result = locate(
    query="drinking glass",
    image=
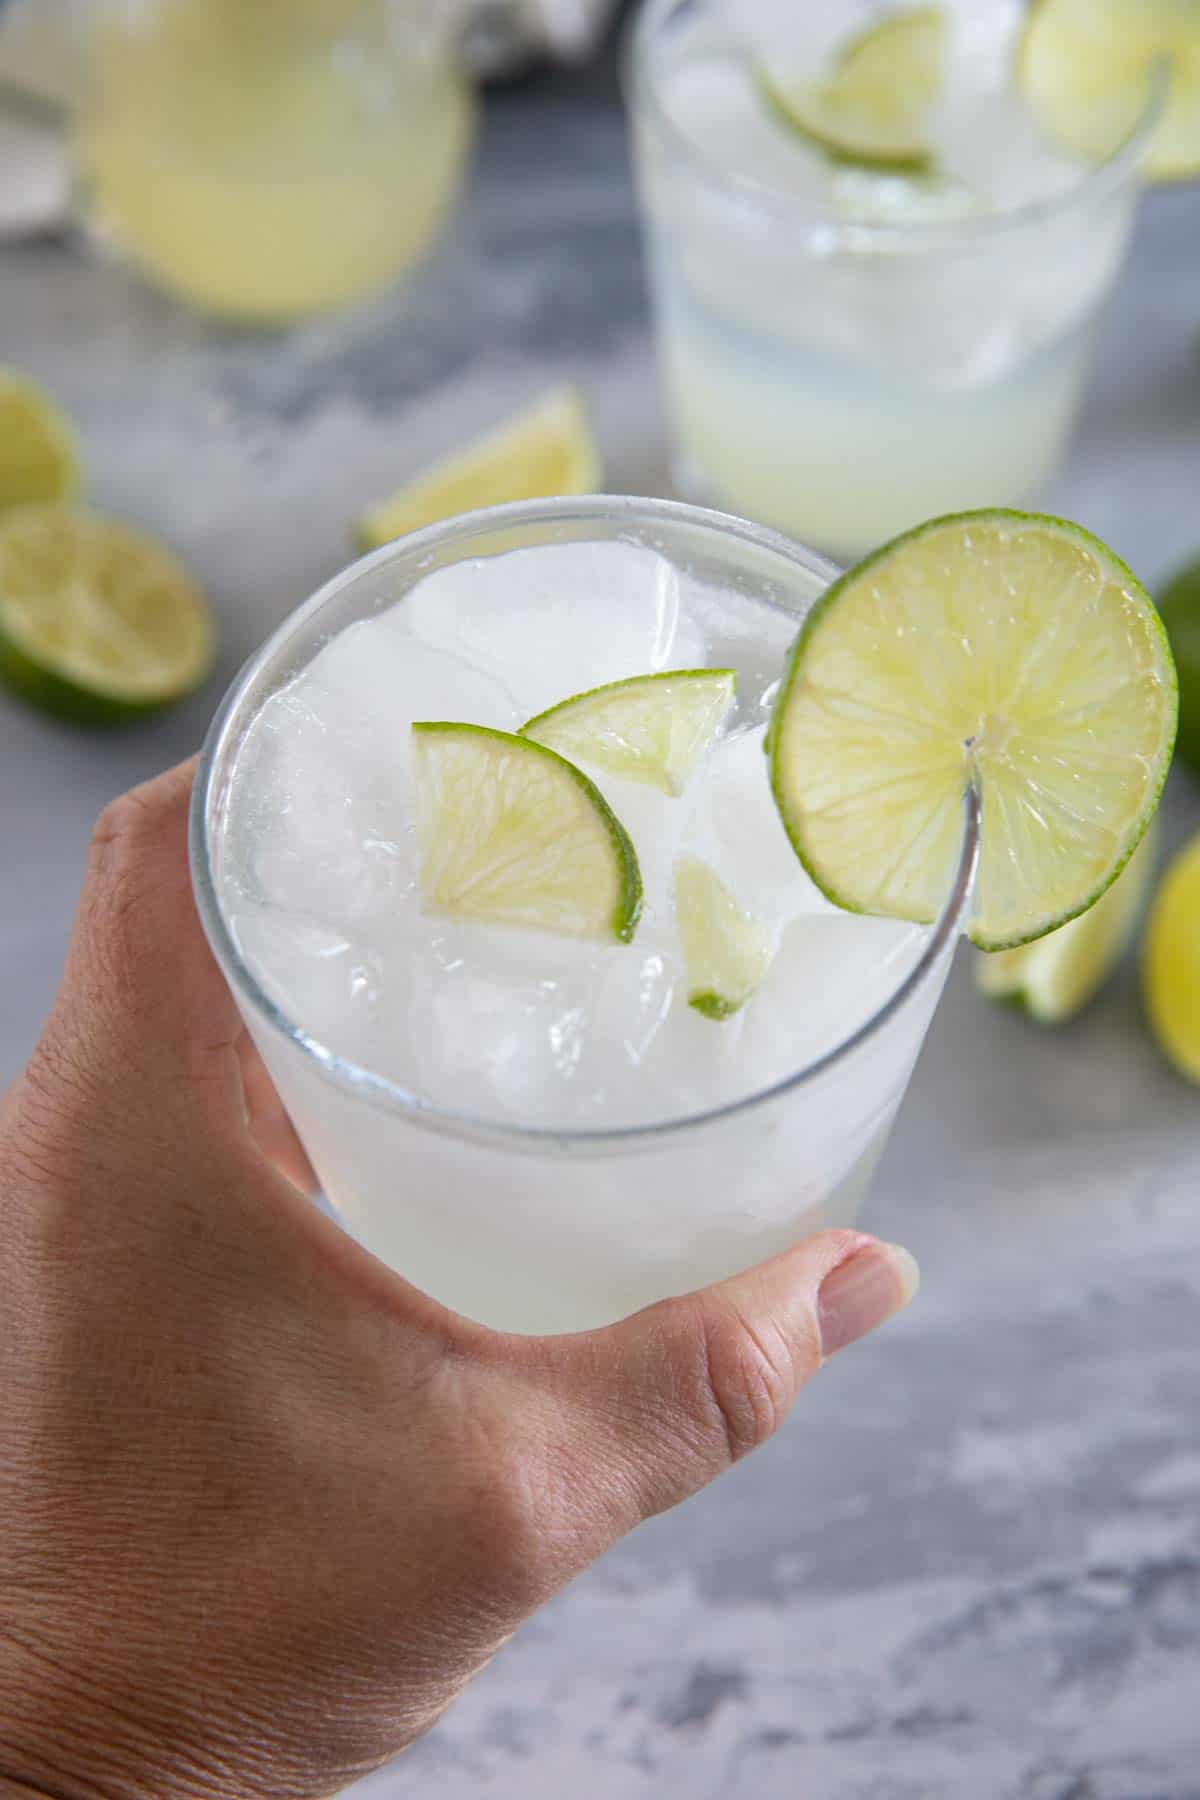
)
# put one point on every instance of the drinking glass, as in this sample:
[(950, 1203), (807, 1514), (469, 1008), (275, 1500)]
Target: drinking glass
[(541, 1230), (269, 159), (848, 353)]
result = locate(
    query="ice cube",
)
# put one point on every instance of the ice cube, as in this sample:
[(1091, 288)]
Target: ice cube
[(736, 827), (555, 620)]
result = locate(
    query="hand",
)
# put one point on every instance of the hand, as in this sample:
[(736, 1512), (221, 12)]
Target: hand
[(265, 1508)]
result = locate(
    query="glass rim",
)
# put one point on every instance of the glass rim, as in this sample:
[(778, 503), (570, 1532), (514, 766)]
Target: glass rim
[(391, 1096), (830, 235)]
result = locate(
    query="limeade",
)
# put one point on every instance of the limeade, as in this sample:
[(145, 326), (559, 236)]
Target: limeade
[(318, 872), (925, 331), (265, 162)]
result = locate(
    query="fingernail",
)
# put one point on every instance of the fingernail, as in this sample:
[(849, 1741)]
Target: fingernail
[(862, 1292)]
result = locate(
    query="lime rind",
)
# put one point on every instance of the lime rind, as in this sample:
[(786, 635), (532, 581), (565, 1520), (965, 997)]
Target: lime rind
[(1054, 977), (1087, 71), (547, 449), (1171, 963), (553, 855), (726, 951), (872, 110), (943, 824), (39, 455), (99, 624), (652, 729)]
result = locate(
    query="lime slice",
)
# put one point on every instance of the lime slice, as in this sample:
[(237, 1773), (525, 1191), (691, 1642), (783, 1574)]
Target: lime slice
[(1000, 648), (1057, 976), (512, 834), (650, 728), (873, 107), (1083, 65), (1180, 609), (97, 623), (38, 458), (726, 951), (1171, 971), (547, 450)]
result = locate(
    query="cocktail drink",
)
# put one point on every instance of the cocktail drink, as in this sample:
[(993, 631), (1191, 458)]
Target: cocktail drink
[(265, 159), (870, 312), (605, 1098)]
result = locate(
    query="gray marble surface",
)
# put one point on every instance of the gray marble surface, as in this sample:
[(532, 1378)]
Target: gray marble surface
[(971, 1565)]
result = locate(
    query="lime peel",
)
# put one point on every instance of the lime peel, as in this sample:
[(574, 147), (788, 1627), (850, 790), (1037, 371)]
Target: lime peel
[(1171, 969), (1053, 978), (511, 833), (726, 951), (872, 109), (1007, 645), (546, 450), (99, 624), (39, 458), (648, 728)]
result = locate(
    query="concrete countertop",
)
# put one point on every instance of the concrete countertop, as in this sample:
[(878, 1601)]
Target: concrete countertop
[(971, 1565)]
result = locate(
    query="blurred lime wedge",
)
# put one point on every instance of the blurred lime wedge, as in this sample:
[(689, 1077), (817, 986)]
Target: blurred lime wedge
[(1180, 608), (873, 106), (546, 450), (98, 623), (510, 833), (650, 728), (727, 953), (1003, 648), (38, 458), (1054, 977), (1084, 66), (1171, 970)]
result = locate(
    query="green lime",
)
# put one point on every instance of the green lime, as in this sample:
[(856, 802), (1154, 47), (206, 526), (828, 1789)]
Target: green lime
[(873, 107), (1171, 970), (38, 458), (998, 648), (726, 951), (513, 834), (1084, 65), (1056, 975), (649, 728), (98, 623), (546, 450), (1180, 609)]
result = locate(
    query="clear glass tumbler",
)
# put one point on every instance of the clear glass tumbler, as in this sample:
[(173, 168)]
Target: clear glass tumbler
[(847, 353), (538, 1230), (268, 159)]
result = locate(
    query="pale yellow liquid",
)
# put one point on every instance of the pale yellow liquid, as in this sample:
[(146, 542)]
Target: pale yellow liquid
[(265, 159)]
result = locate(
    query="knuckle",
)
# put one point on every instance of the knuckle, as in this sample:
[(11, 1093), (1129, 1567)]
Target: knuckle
[(749, 1378)]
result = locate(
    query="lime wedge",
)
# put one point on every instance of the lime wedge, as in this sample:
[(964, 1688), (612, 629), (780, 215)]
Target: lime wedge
[(98, 623), (1083, 65), (1179, 606), (38, 458), (546, 450), (1171, 971), (873, 107), (1000, 648), (512, 834), (1057, 975), (726, 951), (650, 728)]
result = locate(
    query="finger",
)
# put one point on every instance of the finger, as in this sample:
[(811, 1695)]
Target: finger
[(679, 1392), (143, 1003)]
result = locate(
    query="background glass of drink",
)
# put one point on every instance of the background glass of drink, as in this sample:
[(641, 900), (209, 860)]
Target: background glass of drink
[(267, 159), (543, 1229), (848, 352)]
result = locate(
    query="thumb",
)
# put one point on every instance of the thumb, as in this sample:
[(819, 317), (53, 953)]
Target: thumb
[(681, 1391)]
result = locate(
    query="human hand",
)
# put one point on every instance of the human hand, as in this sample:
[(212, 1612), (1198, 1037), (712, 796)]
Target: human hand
[(266, 1508)]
